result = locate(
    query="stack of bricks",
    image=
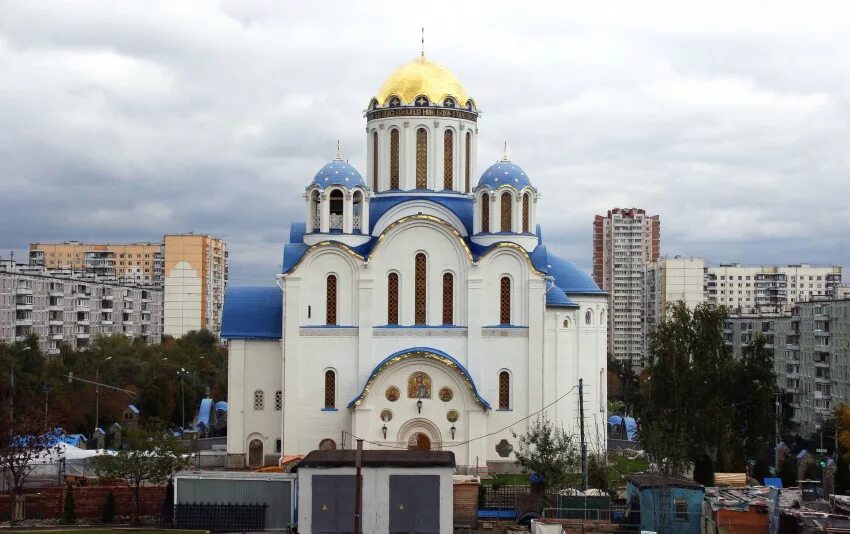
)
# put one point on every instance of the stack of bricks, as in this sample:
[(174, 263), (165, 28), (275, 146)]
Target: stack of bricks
[(47, 503)]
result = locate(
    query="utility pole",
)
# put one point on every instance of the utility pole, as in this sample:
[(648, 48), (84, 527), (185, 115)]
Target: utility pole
[(776, 430), (581, 427), (181, 373), (97, 393), (358, 483)]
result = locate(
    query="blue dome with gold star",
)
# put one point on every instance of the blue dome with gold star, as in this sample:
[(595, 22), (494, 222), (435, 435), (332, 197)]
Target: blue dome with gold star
[(338, 172), (504, 173)]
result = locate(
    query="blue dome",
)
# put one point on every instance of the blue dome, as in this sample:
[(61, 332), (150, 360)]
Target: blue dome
[(570, 278), (504, 172), (338, 172)]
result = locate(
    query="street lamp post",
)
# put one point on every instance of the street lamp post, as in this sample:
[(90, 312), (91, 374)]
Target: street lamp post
[(97, 392), (181, 373), (157, 365)]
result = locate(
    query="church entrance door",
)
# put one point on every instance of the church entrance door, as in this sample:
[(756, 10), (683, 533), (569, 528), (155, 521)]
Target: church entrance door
[(419, 441)]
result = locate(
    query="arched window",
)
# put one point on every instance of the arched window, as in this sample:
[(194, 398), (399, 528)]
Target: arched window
[(525, 215), (448, 298), (420, 290), (504, 390), (506, 212), (448, 159), (330, 389), (394, 180), (327, 444), (421, 159), (566, 323), (374, 161), (278, 400), (357, 211), (259, 399), (392, 298), (336, 207), (485, 213), (468, 165), (315, 212), (330, 305), (588, 317), (505, 301)]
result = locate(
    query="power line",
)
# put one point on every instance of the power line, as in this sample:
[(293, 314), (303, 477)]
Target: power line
[(479, 437)]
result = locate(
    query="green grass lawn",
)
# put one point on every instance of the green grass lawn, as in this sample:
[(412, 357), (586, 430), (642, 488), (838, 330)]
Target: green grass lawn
[(81, 530)]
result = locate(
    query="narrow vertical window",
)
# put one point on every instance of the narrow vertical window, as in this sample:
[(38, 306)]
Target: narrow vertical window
[(448, 298), (506, 212), (392, 298), (485, 213), (504, 390), (505, 301), (525, 207), (374, 161), (331, 300), (420, 290), (468, 165), (330, 389), (448, 159), (421, 159), (394, 159)]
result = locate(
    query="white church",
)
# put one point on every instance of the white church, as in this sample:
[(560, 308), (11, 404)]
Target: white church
[(417, 305)]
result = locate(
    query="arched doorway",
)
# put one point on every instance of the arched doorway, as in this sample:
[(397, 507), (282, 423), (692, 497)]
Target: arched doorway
[(419, 441), (255, 453)]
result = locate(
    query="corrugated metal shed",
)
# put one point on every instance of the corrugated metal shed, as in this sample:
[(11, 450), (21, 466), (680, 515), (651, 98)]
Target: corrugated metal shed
[(276, 490)]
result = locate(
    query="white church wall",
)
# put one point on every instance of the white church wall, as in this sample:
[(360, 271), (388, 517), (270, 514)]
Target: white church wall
[(253, 366)]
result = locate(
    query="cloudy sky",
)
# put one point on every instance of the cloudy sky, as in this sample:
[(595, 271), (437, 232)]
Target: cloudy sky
[(127, 120)]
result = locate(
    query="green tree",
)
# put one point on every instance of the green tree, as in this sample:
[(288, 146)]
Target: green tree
[(548, 451), (152, 456), (699, 406)]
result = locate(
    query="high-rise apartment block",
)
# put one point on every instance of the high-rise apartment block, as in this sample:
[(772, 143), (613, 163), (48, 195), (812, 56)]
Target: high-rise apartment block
[(70, 307), (190, 268), (624, 242), (669, 280), (137, 262), (811, 354), (195, 279), (768, 289)]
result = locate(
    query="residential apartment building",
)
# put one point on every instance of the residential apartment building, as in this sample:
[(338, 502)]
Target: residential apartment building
[(668, 280), (73, 308), (811, 349), (195, 280), (625, 241), (131, 262), (768, 289), (190, 268)]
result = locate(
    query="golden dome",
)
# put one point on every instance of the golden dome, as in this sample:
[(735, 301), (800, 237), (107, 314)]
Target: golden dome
[(422, 77)]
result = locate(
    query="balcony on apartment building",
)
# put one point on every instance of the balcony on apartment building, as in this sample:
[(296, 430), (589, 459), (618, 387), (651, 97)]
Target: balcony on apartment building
[(23, 302), (23, 319), (24, 287)]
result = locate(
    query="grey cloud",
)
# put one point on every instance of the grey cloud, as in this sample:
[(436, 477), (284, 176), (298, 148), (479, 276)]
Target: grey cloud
[(129, 120)]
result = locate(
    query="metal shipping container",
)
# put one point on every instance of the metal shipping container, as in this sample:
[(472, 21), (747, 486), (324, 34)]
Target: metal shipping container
[(276, 490)]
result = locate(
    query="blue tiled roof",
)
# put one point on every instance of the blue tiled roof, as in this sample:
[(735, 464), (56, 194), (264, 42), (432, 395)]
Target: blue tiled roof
[(556, 297), (460, 205), (204, 414), (221, 406), (504, 172), (252, 312), (338, 172), (568, 277)]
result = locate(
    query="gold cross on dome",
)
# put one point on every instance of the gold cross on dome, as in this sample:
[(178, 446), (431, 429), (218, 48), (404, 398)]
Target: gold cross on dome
[(505, 158), (338, 158)]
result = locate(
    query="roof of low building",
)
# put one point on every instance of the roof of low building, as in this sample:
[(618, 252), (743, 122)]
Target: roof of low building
[(660, 481), (380, 458)]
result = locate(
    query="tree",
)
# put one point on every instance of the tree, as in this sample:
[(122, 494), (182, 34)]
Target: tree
[(547, 451), (25, 432), (152, 456)]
